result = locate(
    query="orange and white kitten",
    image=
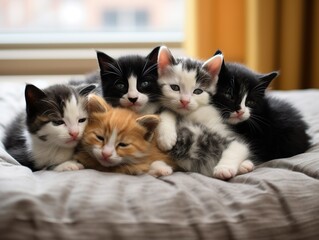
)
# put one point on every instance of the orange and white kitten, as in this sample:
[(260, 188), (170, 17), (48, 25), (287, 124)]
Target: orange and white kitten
[(119, 140)]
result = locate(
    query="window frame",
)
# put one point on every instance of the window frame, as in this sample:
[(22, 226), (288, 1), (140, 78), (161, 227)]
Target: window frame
[(73, 53)]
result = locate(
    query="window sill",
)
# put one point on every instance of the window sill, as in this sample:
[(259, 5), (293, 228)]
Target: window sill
[(43, 54)]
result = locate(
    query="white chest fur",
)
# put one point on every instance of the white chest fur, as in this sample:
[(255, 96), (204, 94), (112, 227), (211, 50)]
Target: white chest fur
[(210, 117), (46, 154)]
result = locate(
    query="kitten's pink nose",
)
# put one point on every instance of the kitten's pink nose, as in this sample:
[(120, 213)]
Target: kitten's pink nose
[(106, 155), (107, 152), (74, 135), (240, 113), (184, 102)]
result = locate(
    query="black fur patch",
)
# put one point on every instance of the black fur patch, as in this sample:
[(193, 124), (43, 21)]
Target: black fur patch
[(116, 72)]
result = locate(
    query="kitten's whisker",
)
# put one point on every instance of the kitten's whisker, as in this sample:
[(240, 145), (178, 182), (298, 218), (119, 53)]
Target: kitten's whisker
[(119, 69), (144, 67), (260, 119), (253, 126), (53, 104), (115, 69), (259, 88), (257, 121), (149, 69), (111, 72)]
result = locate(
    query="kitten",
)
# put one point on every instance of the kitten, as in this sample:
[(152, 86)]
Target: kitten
[(119, 140), (46, 135), (130, 81), (273, 127), (198, 149), (187, 87)]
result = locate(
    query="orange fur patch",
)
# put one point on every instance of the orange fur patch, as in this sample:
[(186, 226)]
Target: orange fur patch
[(130, 128)]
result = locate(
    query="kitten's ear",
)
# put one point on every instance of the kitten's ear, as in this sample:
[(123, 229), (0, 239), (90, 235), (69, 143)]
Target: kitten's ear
[(97, 104), (87, 89), (165, 59), (214, 65), (32, 96), (217, 52), (266, 79), (150, 122), (104, 60), (153, 56)]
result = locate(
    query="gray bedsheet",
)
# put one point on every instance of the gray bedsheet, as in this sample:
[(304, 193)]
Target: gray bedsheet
[(278, 200)]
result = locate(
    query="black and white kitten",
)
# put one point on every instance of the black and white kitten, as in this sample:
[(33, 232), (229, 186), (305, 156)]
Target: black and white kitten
[(273, 127), (46, 135), (201, 142), (130, 81)]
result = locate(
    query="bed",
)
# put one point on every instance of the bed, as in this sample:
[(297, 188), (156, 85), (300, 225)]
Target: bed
[(278, 200)]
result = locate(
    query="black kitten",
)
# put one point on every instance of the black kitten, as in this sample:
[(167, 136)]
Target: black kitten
[(273, 127), (130, 81)]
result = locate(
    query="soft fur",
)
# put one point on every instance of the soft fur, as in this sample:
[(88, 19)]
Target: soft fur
[(130, 81), (119, 140), (46, 134), (199, 149), (187, 87), (273, 127)]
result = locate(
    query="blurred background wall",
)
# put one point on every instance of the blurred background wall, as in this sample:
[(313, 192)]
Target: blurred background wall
[(56, 37), (266, 35)]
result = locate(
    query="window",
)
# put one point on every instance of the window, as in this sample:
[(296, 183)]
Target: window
[(118, 20), (52, 30), (111, 19), (142, 18)]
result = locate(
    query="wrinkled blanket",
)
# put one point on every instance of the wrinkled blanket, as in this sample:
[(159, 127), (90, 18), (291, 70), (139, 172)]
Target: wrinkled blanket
[(278, 200)]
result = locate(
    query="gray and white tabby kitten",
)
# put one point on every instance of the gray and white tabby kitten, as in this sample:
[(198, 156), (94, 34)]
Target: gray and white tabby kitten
[(201, 142), (46, 135)]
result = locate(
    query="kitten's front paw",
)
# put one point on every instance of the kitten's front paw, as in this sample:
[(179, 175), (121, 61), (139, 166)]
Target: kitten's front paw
[(69, 166), (245, 167), (160, 168), (224, 172), (166, 141)]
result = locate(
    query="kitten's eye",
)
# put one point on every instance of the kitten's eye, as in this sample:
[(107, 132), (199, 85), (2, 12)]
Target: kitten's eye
[(121, 144), (81, 120), (250, 103), (57, 122), (198, 91), (229, 96), (145, 84), (174, 87), (120, 86), (99, 137)]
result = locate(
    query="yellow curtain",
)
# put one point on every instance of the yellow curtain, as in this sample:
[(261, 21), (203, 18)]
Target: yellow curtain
[(266, 35)]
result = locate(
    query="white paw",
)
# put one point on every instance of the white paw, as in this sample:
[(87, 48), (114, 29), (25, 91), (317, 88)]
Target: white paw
[(166, 141), (69, 166), (245, 167), (160, 168), (224, 172)]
